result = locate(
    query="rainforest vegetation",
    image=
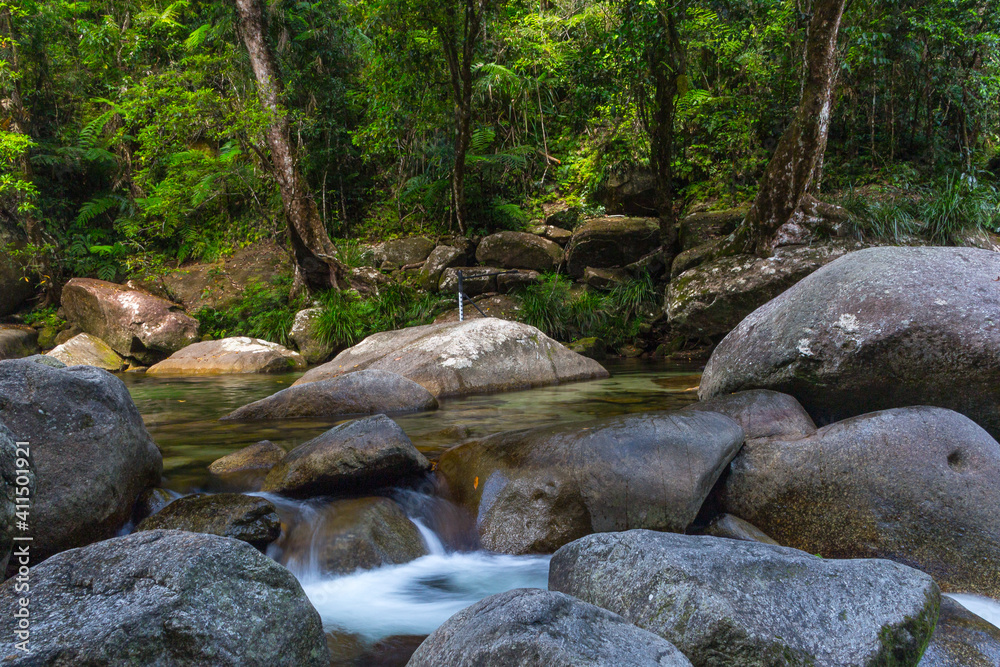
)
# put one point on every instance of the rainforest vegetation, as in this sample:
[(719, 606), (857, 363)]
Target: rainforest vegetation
[(137, 134)]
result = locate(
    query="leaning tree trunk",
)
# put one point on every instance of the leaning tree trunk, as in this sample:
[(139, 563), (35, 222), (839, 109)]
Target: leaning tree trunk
[(316, 265), (799, 153)]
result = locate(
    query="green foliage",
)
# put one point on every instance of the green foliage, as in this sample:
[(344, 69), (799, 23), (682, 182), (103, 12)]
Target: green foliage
[(566, 312), (263, 311), (44, 317), (347, 317)]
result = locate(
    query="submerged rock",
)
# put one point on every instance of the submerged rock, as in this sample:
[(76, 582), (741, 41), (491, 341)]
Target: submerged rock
[(530, 627), (609, 242), (165, 597), (245, 469), (734, 603), (880, 328), (347, 535), (914, 485), (712, 298), (87, 350), (460, 358), (245, 518), (519, 250), (17, 341), (91, 453), (362, 392), (358, 455), (230, 355), (133, 322), (537, 489), (962, 639)]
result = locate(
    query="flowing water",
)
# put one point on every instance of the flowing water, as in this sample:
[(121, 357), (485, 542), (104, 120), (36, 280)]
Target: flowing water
[(414, 598)]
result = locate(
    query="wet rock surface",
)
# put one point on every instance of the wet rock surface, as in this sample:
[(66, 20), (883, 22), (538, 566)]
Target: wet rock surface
[(462, 358), (537, 489), (358, 455), (879, 328), (729, 602), (914, 485), (530, 627), (165, 598), (91, 452), (240, 354), (135, 323), (362, 392), (248, 519)]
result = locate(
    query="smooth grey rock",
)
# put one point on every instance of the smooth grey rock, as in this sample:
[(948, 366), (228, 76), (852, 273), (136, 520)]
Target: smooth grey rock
[(728, 602), (914, 485), (45, 360), (441, 258), (344, 536), (734, 528), (535, 490), (358, 455), (519, 250), (246, 518), (133, 322), (530, 627), (712, 298), (239, 354), (87, 350), (91, 452), (165, 597), (17, 341), (402, 252), (609, 242), (363, 392), (962, 639), (477, 356), (761, 413), (879, 328)]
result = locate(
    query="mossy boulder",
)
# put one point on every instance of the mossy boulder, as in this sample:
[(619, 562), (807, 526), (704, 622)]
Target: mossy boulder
[(87, 350), (914, 485), (246, 518), (734, 603), (611, 242), (700, 228), (398, 253), (307, 339), (592, 347), (519, 250), (711, 299)]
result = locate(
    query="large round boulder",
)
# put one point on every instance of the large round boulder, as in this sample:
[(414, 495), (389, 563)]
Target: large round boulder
[(914, 485), (87, 350), (164, 597), (358, 455), (712, 298), (761, 413), (398, 253), (441, 258), (535, 490), (91, 453), (735, 603), (608, 242), (878, 328), (363, 392), (134, 322), (477, 356), (240, 354), (519, 250), (246, 518), (530, 627), (343, 536)]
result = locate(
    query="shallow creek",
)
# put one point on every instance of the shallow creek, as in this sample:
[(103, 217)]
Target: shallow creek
[(416, 597)]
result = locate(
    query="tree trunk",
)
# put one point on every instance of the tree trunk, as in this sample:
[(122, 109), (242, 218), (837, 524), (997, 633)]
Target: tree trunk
[(459, 51), (667, 63), (799, 153), (316, 265)]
